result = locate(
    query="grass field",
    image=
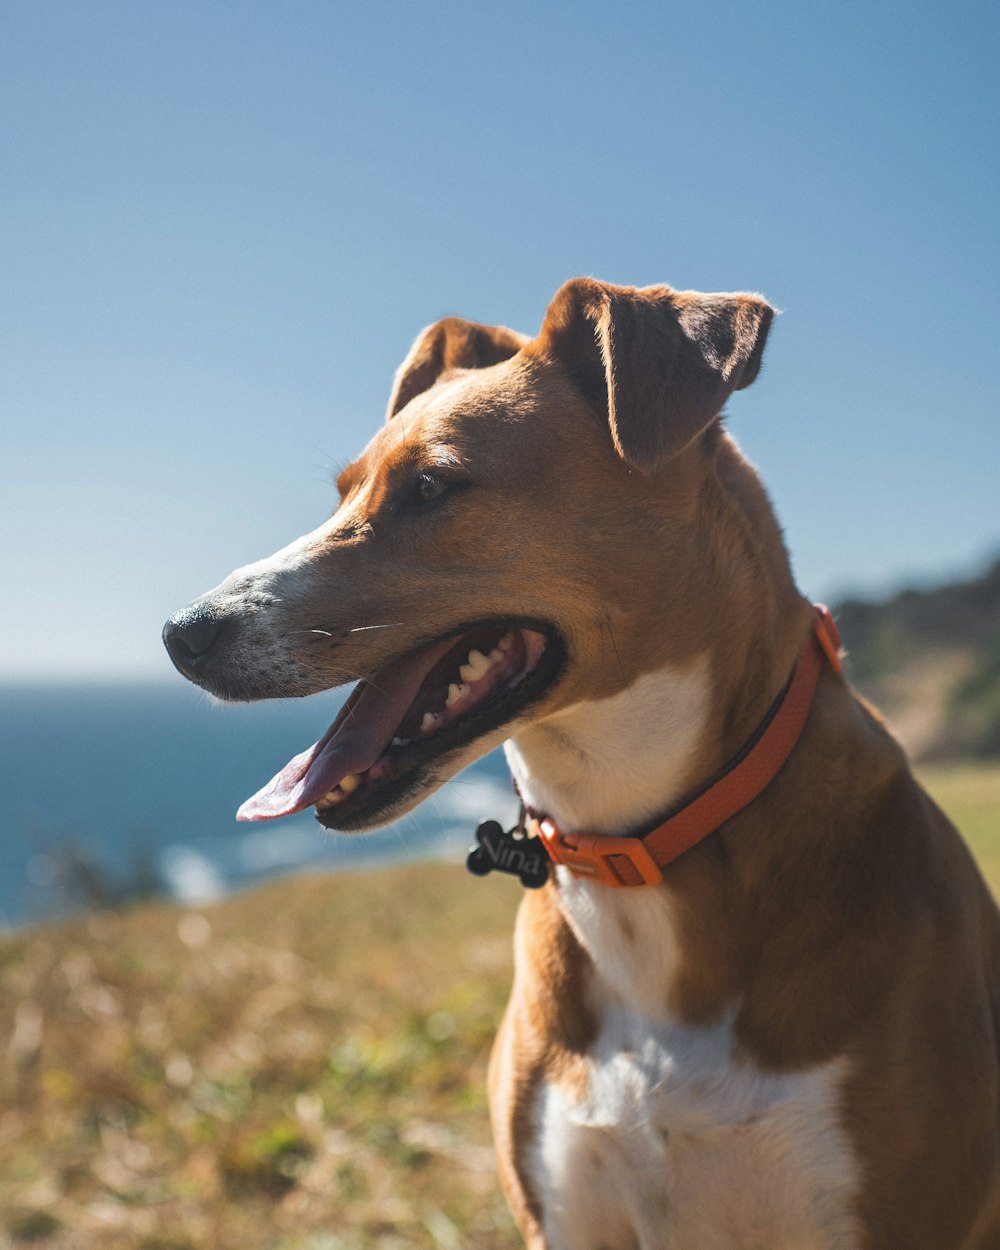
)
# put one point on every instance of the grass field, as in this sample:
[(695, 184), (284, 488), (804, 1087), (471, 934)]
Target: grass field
[(300, 1068), (970, 794)]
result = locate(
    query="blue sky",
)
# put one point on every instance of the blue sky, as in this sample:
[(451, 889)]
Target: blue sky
[(223, 223)]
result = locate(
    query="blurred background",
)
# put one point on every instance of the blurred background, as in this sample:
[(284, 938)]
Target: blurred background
[(221, 227)]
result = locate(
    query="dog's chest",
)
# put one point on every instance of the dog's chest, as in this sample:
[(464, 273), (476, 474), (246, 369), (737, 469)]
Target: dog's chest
[(667, 1138), (668, 1143)]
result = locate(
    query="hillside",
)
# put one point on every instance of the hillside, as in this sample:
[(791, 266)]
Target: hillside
[(930, 660)]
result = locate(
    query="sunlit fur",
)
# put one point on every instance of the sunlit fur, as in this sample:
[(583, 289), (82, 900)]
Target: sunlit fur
[(789, 1044)]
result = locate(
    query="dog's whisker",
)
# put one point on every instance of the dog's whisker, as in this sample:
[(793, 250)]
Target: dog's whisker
[(319, 634), (618, 657), (356, 629)]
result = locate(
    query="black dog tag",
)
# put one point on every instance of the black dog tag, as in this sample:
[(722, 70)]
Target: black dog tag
[(512, 852)]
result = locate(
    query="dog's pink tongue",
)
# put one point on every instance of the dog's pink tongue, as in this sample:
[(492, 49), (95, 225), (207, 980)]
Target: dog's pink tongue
[(355, 740)]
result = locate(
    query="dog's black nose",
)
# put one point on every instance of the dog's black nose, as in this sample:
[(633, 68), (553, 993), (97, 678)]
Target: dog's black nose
[(190, 640)]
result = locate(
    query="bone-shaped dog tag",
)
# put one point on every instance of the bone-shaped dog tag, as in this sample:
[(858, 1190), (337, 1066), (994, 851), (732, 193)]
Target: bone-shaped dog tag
[(513, 852)]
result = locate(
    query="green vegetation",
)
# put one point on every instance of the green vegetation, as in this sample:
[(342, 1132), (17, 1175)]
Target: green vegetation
[(930, 659), (976, 700), (300, 1068)]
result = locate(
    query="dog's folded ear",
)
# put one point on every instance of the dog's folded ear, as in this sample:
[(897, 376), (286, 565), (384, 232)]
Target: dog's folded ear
[(660, 363), (451, 343)]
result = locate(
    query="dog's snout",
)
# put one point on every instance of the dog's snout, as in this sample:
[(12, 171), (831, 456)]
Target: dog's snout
[(190, 639)]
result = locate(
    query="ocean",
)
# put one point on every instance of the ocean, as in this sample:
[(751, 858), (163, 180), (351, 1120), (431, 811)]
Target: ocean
[(111, 792)]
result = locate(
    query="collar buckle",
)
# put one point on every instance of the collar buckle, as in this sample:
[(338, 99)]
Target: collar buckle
[(619, 862)]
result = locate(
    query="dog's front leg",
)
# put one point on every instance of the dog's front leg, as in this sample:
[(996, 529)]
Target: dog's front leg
[(513, 1089), (552, 1167)]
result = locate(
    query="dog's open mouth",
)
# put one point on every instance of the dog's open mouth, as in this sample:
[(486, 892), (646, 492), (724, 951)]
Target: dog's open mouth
[(417, 708)]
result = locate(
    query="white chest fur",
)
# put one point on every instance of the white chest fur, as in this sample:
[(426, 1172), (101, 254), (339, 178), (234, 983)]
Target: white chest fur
[(675, 1144), (609, 765)]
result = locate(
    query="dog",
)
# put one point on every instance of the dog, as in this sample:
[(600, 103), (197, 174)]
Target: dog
[(755, 1004)]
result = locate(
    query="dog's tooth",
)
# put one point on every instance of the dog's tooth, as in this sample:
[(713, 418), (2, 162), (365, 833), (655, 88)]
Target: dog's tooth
[(400, 742), (474, 668), (455, 693), (506, 642), (496, 655), (429, 722), (350, 783)]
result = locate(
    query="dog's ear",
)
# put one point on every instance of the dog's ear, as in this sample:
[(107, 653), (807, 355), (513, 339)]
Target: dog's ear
[(450, 344), (660, 363)]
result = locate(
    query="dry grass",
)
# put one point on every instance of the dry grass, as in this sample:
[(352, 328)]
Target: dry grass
[(300, 1068)]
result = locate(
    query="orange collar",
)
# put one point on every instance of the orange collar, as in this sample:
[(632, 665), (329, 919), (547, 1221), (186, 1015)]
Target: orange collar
[(640, 861)]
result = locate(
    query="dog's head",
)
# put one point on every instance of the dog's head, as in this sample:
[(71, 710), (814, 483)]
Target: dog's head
[(500, 547)]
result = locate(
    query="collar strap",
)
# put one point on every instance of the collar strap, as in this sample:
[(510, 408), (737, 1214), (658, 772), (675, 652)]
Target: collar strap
[(618, 861)]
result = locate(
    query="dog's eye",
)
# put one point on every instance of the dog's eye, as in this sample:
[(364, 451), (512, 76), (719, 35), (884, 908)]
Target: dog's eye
[(430, 487)]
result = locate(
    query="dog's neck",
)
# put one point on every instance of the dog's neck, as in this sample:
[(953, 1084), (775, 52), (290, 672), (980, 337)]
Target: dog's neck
[(612, 765)]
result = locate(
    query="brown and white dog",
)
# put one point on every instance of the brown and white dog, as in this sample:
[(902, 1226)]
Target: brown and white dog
[(790, 1043)]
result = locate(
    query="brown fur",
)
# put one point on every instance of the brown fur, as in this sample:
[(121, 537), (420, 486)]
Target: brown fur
[(840, 910)]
